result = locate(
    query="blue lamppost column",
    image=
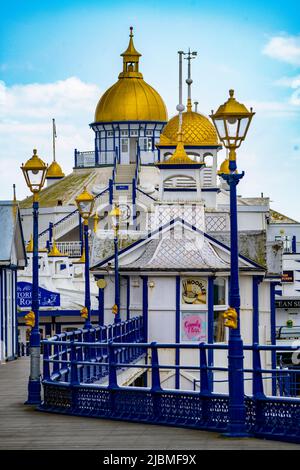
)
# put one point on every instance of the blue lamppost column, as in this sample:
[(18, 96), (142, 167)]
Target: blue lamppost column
[(232, 121), (34, 172), (237, 409), (85, 203), (115, 214)]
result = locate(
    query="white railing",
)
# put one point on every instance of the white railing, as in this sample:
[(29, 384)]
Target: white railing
[(107, 158), (85, 159), (70, 221), (69, 248)]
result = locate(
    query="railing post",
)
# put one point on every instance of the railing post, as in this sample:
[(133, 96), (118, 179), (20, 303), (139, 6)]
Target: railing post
[(74, 371), (204, 380), (110, 188), (257, 384), (155, 379), (155, 368), (112, 374), (46, 364), (56, 357)]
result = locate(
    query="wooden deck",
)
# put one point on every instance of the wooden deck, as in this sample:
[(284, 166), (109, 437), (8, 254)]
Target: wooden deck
[(22, 427)]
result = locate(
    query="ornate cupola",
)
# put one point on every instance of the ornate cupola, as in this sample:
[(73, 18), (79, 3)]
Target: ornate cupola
[(129, 116)]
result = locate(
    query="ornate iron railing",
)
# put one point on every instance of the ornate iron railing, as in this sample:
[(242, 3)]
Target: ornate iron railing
[(61, 350), (74, 387)]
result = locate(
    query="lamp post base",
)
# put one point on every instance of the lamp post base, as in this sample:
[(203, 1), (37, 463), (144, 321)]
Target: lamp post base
[(34, 393)]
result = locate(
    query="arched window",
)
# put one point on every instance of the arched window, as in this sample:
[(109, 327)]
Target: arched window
[(180, 181)]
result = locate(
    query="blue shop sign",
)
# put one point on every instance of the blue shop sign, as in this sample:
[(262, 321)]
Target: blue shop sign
[(46, 297)]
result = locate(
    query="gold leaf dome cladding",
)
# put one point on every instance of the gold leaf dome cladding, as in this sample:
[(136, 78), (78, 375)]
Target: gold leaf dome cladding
[(131, 98), (196, 129), (55, 171)]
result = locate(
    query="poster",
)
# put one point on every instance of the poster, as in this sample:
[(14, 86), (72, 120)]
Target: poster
[(194, 291), (194, 326)]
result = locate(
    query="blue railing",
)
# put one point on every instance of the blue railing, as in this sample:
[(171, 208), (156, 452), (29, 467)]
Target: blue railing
[(90, 349), (70, 388)]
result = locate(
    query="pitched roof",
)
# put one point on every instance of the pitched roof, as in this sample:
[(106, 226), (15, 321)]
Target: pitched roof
[(177, 246), (12, 247), (278, 218)]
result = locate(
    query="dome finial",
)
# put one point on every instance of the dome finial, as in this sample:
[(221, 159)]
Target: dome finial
[(131, 60)]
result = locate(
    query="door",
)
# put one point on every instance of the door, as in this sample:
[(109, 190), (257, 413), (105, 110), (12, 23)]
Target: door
[(124, 151)]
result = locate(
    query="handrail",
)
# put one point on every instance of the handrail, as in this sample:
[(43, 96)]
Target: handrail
[(70, 214), (148, 195)]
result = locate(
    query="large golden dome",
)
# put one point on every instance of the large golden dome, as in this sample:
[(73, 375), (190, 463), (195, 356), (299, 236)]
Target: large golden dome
[(196, 129), (131, 98)]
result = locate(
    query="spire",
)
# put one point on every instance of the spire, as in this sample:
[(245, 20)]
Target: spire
[(180, 156), (189, 81), (131, 59)]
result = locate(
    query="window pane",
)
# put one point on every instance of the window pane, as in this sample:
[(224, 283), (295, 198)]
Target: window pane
[(219, 328), (220, 291), (220, 128), (243, 127), (124, 143), (232, 125)]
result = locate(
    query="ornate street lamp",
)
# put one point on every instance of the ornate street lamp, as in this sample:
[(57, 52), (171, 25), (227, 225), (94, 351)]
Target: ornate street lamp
[(85, 203), (115, 214), (34, 172), (232, 121)]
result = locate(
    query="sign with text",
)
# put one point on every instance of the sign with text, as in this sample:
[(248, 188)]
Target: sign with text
[(287, 276), (286, 303), (194, 290), (46, 297), (194, 326)]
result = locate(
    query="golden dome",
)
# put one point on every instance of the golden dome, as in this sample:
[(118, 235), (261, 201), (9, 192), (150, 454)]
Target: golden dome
[(196, 129), (131, 98), (179, 157), (55, 171)]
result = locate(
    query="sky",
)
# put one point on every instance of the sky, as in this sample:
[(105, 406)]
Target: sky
[(57, 57)]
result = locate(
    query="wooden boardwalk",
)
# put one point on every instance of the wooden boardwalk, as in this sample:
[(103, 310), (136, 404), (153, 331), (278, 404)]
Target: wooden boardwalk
[(22, 427)]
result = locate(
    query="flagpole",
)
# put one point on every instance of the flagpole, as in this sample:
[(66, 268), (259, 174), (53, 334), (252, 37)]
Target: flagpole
[(53, 137)]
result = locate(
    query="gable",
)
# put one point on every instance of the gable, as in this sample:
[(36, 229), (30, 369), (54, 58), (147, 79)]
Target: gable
[(177, 245)]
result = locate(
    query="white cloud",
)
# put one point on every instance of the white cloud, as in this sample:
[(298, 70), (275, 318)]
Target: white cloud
[(284, 48), (26, 113), (274, 108)]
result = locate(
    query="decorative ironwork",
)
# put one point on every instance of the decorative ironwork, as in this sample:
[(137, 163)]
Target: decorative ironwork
[(88, 356)]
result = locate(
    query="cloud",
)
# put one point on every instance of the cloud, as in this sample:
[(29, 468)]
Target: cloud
[(26, 113), (284, 48)]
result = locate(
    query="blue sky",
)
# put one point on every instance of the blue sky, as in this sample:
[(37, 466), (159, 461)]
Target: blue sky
[(56, 58)]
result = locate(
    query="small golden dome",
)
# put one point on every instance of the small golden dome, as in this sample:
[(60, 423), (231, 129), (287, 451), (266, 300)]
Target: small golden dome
[(224, 167), (55, 171), (131, 98), (196, 129), (180, 156)]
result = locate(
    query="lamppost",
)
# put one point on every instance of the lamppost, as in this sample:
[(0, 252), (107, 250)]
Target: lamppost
[(232, 121), (85, 203), (34, 172), (115, 214)]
